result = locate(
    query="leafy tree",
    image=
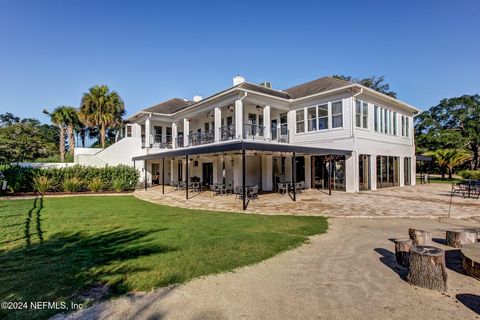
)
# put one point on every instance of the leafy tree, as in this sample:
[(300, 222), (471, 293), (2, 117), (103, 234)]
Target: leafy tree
[(23, 141), (101, 108), (373, 82), (454, 123)]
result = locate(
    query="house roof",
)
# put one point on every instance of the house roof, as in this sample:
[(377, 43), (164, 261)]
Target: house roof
[(170, 106), (316, 86), (262, 89)]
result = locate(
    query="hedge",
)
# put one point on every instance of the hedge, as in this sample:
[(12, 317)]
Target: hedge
[(470, 174), (121, 177)]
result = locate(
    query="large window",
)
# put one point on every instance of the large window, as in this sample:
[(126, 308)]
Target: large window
[(361, 114), (385, 120), (405, 126), (312, 118), (387, 171), (337, 114), (323, 117), (300, 114)]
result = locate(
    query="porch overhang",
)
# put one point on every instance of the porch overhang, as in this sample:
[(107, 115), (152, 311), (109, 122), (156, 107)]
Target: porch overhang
[(239, 146)]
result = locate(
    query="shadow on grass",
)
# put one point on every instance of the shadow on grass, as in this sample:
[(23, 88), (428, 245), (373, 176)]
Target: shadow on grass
[(66, 265)]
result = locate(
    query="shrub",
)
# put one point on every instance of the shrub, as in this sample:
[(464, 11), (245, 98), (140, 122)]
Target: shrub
[(118, 184), (470, 174), (95, 184), (72, 184), (20, 179), (42, 184)]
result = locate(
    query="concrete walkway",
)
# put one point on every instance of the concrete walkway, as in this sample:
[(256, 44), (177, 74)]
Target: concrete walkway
[(348, 273), (421, 201)]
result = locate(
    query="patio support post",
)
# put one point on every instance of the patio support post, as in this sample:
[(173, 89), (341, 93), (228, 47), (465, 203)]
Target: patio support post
[(163, 175), (186, 177), (244, 191), (294, 173), (145, 177)]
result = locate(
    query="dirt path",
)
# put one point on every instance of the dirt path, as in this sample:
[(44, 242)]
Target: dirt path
[(348, 273)]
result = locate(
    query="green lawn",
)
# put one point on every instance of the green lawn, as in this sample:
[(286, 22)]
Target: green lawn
[(57, 249)]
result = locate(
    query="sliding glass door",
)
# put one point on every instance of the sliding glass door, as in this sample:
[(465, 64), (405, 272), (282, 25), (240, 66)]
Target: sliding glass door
[(387, 171), (364, 172)]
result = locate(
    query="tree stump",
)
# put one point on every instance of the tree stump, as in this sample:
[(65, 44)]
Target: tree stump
[(458, 239), (402, 251), (420, 237), (427, 268)]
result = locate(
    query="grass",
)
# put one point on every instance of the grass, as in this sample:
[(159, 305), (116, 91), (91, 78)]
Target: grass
[(438, 179), (57, 249)]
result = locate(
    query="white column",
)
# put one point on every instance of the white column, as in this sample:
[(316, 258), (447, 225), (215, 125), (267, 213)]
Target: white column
[(266, 122), (239, 119), (174, 135), (308, 171), (147, 133), (401, 172), (173, 171), (184, 170), (218, 169), (237, 171), (267, 173), (218, 123), (373, 172), (351, 173), (186, 131), (288, 168)]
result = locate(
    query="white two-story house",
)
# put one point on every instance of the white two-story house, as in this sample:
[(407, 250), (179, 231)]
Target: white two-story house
[(327, 133)]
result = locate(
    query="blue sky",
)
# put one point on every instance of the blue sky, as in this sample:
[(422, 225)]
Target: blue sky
[(51, 52)]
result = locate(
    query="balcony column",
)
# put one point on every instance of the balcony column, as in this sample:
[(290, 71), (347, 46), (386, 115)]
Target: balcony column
[(186, 131), (217, 123), (147, 133), (267, 132), (174, 135), (239, 119)]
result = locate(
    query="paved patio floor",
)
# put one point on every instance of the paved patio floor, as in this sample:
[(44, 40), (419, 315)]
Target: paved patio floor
[(420, 201)]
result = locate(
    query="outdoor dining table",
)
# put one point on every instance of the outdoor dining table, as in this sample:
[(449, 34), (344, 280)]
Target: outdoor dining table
[(473, 188)]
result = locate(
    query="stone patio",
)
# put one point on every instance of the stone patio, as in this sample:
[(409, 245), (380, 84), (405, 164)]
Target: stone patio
[(420, 201)]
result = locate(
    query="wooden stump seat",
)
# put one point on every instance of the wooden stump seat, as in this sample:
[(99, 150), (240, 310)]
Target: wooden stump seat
[(420, 237), (459, 238), (427, 268), (471, 259), (402, 251)]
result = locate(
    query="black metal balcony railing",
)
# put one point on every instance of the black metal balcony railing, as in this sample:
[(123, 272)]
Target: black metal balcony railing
[(161, 141), (203, 137), (227, 133), (281, 133), (253, 131)]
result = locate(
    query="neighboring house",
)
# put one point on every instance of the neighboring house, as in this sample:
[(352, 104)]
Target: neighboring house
[(342, 135)]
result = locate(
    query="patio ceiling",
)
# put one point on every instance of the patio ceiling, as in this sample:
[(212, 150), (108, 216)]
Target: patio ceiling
[(240, 146)]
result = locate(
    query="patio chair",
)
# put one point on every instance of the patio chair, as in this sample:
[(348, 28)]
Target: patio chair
[(459, 188), (238, 193), (282, 188), (253, 193)]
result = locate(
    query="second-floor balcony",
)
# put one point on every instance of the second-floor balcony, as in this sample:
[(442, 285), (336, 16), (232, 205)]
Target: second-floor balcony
[(202, 137), (158, 141)]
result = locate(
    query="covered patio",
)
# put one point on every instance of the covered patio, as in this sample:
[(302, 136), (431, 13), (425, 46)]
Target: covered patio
[(239, 151)]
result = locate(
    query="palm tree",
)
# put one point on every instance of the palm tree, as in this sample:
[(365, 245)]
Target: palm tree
[(457, 157), (72, 122), (57, 117), (447, 159), (101, 108)]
